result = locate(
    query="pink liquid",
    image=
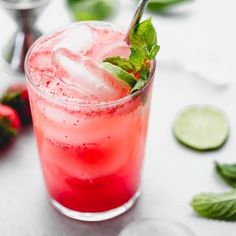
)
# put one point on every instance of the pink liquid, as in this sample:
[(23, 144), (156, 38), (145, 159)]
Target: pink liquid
[(91, 154)]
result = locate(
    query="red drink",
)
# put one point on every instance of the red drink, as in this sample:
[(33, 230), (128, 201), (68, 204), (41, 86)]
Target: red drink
[(90, 131)]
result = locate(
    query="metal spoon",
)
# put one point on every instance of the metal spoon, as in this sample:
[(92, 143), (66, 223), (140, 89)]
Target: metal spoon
[(137, 17)]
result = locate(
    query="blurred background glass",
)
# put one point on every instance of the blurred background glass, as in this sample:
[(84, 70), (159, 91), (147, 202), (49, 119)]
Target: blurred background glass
[(152, 227)]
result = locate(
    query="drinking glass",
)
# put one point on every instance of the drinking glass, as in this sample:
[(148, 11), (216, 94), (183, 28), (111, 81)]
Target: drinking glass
[(91, 154), (154, 227)]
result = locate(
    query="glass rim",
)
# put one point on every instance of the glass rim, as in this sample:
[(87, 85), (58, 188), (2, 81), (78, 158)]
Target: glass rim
[(81, 104)]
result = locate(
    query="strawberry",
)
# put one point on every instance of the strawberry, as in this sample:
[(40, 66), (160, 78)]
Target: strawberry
[(16, 96), (9, 124)]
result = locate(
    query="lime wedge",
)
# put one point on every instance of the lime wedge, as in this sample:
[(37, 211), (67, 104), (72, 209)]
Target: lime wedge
[(201, 127), (119, 73)]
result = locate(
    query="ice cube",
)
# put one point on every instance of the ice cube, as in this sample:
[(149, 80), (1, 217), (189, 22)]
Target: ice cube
[(77, 39), (40, 59), (115, 49), (87, 77)]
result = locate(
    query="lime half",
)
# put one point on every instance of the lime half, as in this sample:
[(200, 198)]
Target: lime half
[(201, 127)]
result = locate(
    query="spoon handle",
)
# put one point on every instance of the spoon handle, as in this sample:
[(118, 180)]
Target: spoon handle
[(137, 16)]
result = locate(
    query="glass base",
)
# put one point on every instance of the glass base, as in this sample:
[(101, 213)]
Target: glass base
[(96, 216), (158, 227)]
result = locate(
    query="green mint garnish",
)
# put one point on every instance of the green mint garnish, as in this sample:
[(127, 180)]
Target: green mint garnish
[(120, 73), (143, 80), (144, 48), (216, 206), (91, 9), (143, 39), (221, 206), (227, 172), (160, 5)]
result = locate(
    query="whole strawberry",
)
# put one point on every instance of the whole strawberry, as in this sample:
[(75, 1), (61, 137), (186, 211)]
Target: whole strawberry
[(9, 124), (16, 96)]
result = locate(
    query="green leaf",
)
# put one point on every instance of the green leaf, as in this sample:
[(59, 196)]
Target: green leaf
[(136, 58), (160, 5), (144, 48), (227, 172), (121, 62), (216, 206), (143, 80), (6, 131), (144, 37), (120, 73), (91, 9), (155, 49), (145, 72), (139, 85)]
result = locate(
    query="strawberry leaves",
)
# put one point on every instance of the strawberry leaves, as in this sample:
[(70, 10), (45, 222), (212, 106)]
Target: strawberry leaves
[(16, 96), (9, 124)]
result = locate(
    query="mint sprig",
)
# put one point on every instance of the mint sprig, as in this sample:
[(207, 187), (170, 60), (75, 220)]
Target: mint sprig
[(143, 39), (216, 206), (143, 49), (227, 172), (143, 80), (219, 206)]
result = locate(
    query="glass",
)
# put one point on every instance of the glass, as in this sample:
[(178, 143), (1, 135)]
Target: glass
[(155, 227), (91, 154)]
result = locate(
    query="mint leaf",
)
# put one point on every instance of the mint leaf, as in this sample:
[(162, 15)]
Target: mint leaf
[(143, 80), (155, 49), (140, 84), (160, 5), (121, 62), (120, 73), (91, 9), (227, 172), (144, 37), (145, 72), (136, 58), (144, 48), (216, 206)]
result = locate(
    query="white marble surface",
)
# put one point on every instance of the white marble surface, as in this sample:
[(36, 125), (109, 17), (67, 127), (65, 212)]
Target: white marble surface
[(196, 65)]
